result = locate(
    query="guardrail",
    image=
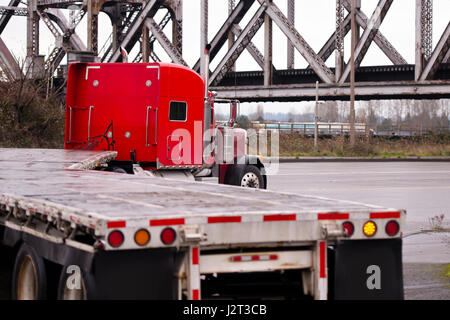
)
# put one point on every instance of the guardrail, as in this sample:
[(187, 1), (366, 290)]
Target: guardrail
[(409, 131), (307, 128), (341, 128)]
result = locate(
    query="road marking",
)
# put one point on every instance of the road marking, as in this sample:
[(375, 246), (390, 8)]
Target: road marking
[(359, 172), (426, 286), (377, 188)]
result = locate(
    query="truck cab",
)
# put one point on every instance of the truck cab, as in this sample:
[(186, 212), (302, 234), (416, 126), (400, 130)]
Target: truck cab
[(156, 116)]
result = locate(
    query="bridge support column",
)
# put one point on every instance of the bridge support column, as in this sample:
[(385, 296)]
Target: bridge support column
[(290, 46), (231, 37), (116, 22), (145, 44), (267, 49), (177, 25), (93, 9), (32, 33), (424, 34), (203, 36), (339, 42), (358, 28)]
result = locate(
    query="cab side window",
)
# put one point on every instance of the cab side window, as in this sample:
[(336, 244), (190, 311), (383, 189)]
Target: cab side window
[(178, 111)]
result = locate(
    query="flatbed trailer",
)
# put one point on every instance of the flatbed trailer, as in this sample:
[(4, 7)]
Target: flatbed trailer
[(108, 235)]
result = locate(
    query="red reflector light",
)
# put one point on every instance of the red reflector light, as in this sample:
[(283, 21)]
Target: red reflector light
[(116, 224), (333, 216), (279, 217), (349, 228), (168, 236), (115, 238), (392, 228), (384, 215), (224, 219), (261, 257), (166, 222)]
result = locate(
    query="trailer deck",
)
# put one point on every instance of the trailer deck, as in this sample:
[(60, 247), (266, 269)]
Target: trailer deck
[(56, 184), (52, 204)]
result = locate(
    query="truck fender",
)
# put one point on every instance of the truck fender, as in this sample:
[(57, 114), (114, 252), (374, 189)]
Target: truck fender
[(58, 253)]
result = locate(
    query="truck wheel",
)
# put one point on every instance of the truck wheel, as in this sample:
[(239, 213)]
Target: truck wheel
[(118, 170), (251, 178), (75, 284), (246, 176), (29, 275)]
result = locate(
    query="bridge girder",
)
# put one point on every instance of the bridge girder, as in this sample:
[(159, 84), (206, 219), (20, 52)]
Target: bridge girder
[(134, 21)]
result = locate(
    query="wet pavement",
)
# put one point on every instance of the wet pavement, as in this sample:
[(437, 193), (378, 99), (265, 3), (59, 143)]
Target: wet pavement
[(422, 188)]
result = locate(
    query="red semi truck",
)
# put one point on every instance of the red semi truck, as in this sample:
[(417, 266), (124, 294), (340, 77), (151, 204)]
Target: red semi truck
[(156, 116)]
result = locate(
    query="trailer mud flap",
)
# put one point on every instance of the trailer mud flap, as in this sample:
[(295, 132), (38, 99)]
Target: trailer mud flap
[(135, 274), (368, 269)]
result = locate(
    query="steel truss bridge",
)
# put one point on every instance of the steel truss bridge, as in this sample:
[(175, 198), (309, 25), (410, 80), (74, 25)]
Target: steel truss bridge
[(134, 24)]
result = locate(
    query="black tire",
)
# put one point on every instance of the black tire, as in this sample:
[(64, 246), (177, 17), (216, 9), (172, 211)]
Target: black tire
[(71, 287), (118, 170), (247, 176), (29, 275)]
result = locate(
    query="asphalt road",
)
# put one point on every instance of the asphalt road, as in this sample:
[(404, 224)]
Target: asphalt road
[(422, 188)]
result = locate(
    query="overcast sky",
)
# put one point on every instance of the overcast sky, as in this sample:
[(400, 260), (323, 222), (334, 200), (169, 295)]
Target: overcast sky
[(315, 20)]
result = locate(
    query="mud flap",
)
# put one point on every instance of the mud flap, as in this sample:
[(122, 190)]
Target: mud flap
[(135, 274), (368, 269)]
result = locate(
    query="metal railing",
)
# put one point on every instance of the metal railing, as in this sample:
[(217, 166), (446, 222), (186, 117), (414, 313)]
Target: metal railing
[(307, 128), (409, 130)]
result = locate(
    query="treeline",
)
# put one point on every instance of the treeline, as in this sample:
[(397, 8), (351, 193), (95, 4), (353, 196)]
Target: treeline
[(376, 114), (29, 116)]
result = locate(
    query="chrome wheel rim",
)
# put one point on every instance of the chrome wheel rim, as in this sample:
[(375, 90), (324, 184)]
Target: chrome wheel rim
[(250, 180), (75, 294), (27, 282)]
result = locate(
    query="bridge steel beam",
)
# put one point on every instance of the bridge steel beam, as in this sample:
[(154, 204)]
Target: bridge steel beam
[(317, 64), (5, 17), (251, 48), (424, 35), (363, 91), (168, 46), (337, 39), (133, 21), (8, 63), (381, 41), (221, 36), (134, 29), (203, 36), (438, 56), (32, 31), (447, 57), (268, 48), (238, 46), (367, 37), (290, 47), (68, 30)]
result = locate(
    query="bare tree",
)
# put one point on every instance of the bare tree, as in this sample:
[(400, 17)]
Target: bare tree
[(361, 115), (260, 112)]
